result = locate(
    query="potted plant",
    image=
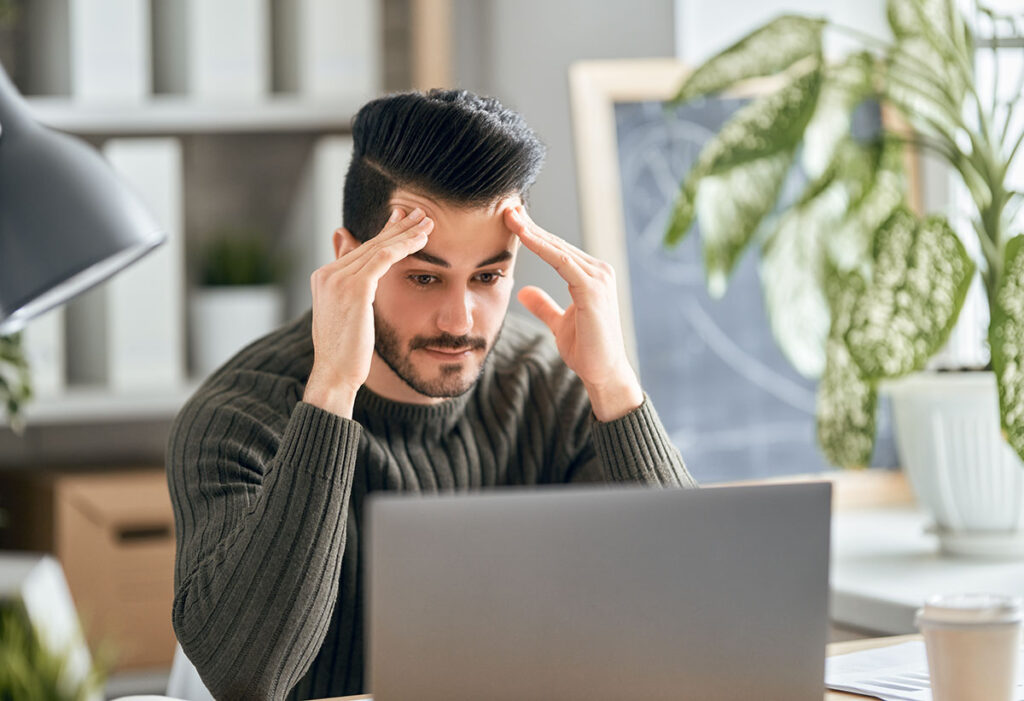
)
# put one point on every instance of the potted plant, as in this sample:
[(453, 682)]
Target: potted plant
[(238, 299), (15, 380), (861, 290), (31, 669)]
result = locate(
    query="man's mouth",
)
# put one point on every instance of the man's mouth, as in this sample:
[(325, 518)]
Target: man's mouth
[(449, 353)]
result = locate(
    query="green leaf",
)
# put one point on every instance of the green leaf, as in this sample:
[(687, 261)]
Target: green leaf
[(792, 277), (876, 186), (846, 401), (739, 173), (730, 208), (1006, 338), (845, 86), (770, 49), (15, 379), (764, 127), (920, 278), (926, 66)]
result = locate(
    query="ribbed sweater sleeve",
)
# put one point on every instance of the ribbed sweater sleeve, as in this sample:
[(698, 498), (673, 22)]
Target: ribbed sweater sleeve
[(261, 533), (635, 448)]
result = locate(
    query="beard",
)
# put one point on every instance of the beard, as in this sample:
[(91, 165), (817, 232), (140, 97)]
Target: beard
[(451, 382)]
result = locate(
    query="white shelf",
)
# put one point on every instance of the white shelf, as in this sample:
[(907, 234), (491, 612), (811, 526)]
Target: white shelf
[(84, 405), (182, 115)]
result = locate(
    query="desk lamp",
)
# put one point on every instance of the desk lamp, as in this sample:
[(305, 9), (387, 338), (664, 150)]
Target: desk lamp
[(66, 221)]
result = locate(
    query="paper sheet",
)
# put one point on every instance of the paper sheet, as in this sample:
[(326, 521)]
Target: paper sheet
[(894, 673)]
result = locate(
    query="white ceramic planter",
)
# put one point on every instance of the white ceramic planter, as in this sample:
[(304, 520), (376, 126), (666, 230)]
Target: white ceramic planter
[(225, 319), (961, 469)]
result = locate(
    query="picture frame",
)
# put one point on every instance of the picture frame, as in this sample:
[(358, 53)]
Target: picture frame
[(761, 401)]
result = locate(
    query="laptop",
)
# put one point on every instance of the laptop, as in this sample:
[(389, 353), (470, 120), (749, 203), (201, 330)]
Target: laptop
[(600, 594)]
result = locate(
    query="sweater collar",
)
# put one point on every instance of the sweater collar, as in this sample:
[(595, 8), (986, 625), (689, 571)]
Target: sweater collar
[(373, 403)]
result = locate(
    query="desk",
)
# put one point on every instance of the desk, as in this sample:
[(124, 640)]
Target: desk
[(833, 649)]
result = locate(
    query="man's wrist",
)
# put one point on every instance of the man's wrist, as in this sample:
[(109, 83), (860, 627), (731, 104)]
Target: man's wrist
[(615, 400), (333, 399)]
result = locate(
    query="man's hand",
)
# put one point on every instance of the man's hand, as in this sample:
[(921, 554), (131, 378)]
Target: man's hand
[(588, 333), (343, 294)]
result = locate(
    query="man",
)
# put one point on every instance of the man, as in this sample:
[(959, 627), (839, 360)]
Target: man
[(406, 375)]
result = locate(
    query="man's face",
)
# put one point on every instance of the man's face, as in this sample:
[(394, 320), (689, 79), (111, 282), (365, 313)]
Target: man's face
[(438, 312)]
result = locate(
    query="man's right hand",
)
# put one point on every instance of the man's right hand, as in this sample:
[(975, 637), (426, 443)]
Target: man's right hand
[(343, 294)]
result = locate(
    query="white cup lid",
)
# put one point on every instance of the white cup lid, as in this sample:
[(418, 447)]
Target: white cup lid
[(967, 609)]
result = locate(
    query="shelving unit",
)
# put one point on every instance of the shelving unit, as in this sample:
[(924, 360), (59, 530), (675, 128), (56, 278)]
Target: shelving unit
[(99, 404), (167, 114)]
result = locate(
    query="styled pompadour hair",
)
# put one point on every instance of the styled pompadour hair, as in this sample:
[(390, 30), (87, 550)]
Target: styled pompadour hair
[(450, 145)]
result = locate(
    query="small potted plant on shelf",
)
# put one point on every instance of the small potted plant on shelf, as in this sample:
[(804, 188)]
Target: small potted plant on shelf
[(238, 299), (860, 289)]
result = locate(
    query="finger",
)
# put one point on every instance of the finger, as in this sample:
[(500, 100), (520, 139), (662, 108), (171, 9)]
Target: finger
[(541, 306), (585, 260), (564, 263), (377, 264), (403, 227)]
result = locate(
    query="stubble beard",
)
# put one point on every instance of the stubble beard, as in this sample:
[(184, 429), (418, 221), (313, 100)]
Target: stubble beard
[(450, 383)]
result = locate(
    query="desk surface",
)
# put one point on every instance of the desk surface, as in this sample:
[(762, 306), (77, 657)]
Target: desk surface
[(833, 649)]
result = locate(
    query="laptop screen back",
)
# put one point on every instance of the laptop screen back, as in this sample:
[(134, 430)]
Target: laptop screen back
[(600, 594)]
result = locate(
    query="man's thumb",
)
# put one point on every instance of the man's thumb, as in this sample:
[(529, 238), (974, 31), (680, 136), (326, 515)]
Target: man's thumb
[(541, 306)]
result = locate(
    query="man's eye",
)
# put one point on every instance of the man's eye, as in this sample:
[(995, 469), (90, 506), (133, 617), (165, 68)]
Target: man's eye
[(423, 279), (490, 278)]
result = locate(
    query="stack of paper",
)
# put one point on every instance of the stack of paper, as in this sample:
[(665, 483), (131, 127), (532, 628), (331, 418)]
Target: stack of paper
[(894, 673)]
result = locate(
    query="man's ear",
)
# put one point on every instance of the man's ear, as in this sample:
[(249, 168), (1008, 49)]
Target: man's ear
[(343, 241)]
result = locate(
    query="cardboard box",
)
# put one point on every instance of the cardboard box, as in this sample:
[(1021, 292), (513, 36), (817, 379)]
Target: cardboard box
[(113, 533)]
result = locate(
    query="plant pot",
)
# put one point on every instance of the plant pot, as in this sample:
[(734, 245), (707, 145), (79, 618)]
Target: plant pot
[(962, 471), (226, 319)]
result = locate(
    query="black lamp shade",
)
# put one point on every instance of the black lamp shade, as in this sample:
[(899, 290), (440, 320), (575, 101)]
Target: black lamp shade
[(66, 221)]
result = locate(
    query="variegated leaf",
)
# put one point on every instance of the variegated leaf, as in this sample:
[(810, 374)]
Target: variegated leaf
[(926, 76), (759, 137), (846, 84), (772, 123), (792, 272), (877, 187), (1006, 338), (770, 49), (846, 401), (730, 207), (920, 278)]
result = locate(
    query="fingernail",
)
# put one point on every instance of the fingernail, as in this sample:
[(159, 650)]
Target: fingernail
[(416, 212), (395, 214)]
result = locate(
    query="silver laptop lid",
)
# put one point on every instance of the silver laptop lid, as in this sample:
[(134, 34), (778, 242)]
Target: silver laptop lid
[(600, 593)]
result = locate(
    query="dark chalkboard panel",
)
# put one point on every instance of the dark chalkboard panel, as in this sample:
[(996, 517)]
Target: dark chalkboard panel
[(728, 397)]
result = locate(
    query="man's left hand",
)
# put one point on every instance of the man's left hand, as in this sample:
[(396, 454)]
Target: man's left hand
[(588, 332)]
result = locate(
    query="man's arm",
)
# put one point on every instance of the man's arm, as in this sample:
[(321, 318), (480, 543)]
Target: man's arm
[(261, 509), (629, 441), (261, 533)]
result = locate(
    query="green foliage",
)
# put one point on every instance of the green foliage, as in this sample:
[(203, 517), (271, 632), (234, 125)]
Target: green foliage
[(1006, 337), (30, 671), (858, 289), (15, 380), (239, 257)]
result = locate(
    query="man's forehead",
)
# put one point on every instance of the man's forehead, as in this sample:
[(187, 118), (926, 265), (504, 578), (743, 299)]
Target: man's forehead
[(434, 207), (463, 237)]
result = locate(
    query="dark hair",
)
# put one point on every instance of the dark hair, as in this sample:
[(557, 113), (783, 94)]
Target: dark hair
[(450, 145)]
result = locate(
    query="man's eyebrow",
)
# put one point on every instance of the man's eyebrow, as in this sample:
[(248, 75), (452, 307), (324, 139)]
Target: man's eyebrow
[(442, 263), (499, 258), (428, 258)]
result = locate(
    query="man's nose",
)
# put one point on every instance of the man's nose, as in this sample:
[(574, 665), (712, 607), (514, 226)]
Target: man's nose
[(455, 316)]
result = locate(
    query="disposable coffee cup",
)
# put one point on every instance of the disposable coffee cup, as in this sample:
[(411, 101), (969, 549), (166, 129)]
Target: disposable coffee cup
[(973, 643)]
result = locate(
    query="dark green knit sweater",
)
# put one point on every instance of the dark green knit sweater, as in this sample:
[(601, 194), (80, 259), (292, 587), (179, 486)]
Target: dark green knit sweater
[(268, 495)]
